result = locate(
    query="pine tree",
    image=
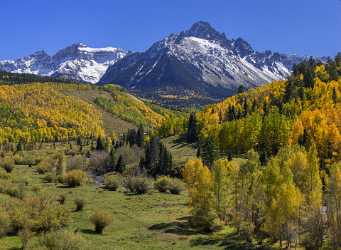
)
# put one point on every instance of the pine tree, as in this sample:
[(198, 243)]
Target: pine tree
[(209, 151), (120, 166), (192, 133), (140, 136), (100, 143), (111, 165)]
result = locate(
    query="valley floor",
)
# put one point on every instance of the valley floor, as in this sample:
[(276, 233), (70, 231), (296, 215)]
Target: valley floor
[(150, 221)]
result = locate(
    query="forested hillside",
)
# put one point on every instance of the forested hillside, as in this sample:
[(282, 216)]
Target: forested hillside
[(286, 186), (46, 112), (303, 110)]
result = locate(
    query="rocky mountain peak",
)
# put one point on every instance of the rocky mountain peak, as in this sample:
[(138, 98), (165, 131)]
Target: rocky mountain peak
[(242, 47)]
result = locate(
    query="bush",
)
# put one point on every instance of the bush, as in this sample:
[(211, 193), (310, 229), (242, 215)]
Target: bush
[(60, 240), (75, 178), (111, 182), (176, 186), (16, 190), (80, 203), (42, 169), (5, 223), (61, 199), (8, 166), (38, 213), (101, 220), (99, 162), (4, 175), (137, 185), (162, 184), (50, 178), (77, 162), (165, 183), (29, 161)]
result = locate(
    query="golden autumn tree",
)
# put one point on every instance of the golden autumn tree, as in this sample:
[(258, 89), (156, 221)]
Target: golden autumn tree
[(199, 182)]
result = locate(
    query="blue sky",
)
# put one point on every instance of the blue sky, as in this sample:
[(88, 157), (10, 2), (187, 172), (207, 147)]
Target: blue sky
[(305, 27)]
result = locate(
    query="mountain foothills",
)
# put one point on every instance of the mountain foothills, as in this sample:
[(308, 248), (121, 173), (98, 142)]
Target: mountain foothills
[(199, 63), (77, 62), (46, 112)]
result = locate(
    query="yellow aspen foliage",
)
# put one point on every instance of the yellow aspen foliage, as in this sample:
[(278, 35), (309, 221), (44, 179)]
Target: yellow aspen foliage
[(199, 182)]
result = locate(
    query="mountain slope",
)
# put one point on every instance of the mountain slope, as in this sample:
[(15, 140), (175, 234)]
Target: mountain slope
[(56, 111), (200, 61), (303, 110), (77, 62)]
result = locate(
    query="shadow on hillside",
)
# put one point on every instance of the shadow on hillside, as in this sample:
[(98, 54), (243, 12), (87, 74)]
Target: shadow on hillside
[(232, 242), (180, 227), (88, 231)]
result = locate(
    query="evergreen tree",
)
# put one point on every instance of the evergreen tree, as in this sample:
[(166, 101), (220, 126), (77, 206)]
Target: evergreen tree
[(132, 137), (100, 143), (140, 136), (111, 165), (21, 145), (192, 133), (153, 156), (332, 70), (334, 95), (209, 152), (120, 166)]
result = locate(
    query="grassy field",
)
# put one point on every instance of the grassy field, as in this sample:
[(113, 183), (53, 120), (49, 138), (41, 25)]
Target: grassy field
[(181, 151), (150, 221)]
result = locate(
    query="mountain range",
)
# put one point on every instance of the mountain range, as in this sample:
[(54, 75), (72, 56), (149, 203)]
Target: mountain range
[(77, 62), (199, 63)]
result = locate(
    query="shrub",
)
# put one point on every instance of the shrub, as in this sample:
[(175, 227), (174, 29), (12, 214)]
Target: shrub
[(50, 178), (75, 178), (29, 161), (5, 223), (25, 235), (101, 220), (111, 182), (165, 183), (61, 199), (77, 162), (17, 191), (4, 175), (80, 203), (8, 166), (137, 185), (175, 186), (162, 184), (42, 169), (60, 240), (99, 162), (37, 213)]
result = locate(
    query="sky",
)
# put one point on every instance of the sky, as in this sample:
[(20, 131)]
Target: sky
[(303, 27)]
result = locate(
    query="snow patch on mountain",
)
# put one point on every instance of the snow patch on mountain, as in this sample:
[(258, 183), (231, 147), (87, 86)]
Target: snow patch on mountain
[(77, 62), (199, 60)]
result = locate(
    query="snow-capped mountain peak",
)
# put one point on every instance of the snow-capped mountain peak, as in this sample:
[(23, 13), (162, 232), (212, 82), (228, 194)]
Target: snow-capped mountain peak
[(199, 60), (78, 62)]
